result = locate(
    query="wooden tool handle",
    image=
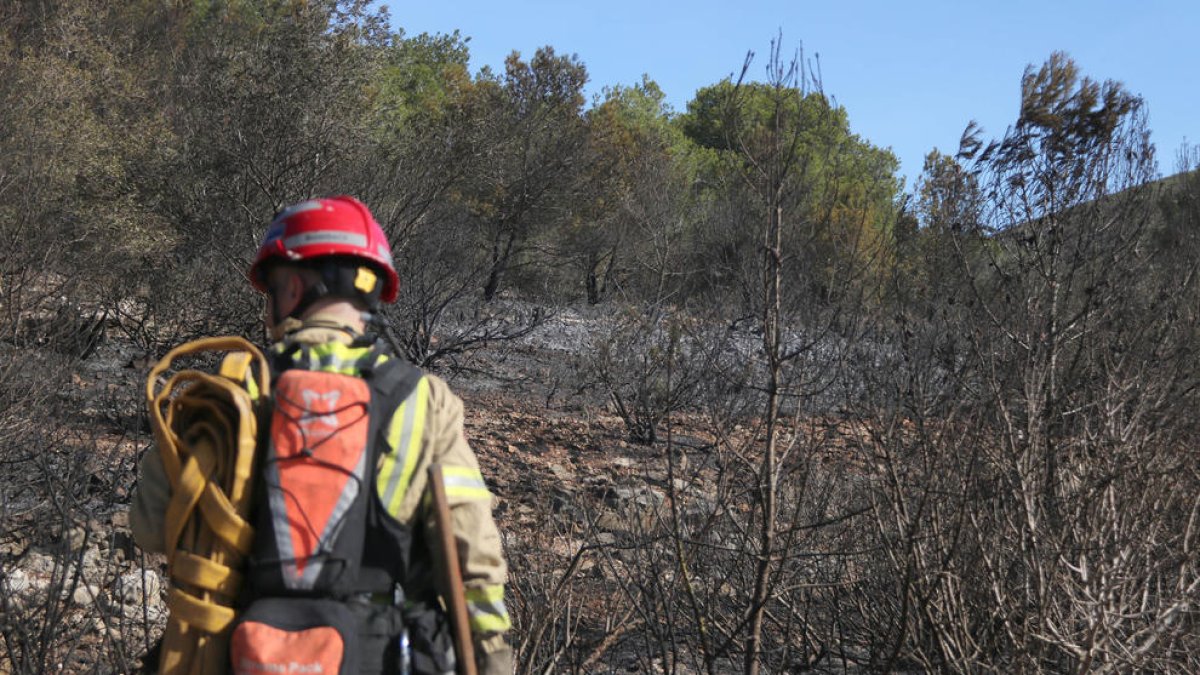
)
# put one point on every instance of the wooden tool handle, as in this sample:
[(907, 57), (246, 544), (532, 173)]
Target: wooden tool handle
[(456, 604)]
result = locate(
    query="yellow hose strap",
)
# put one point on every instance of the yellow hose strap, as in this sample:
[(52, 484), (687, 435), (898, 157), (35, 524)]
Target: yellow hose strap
[(208, 617), (185, 494), (206, 574), (225, 523), (236, 365), (216, 344)]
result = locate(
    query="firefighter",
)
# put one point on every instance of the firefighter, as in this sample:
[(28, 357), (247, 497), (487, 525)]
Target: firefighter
[(325, 266)]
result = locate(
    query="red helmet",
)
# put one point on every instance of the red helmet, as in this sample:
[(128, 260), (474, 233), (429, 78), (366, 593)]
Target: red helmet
[(332, 226)]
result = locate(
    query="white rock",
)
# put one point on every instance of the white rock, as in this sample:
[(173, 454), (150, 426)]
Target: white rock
[(77, 536), (85, 594), (566, 548), (93, 565), (138, 586), (15, 582), (38, 586)]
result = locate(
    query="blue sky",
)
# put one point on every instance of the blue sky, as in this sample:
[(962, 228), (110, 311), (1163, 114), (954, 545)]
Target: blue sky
[(910, 74)]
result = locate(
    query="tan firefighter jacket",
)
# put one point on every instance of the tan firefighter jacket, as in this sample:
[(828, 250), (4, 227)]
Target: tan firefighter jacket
[(426, 428)]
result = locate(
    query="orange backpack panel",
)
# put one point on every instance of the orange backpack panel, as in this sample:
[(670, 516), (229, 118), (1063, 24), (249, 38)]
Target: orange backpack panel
[(316, 468)]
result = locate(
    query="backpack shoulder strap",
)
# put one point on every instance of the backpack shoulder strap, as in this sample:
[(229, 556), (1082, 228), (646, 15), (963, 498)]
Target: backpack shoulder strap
[(395, 379), (391, 383), (391, 380), (390, 377)]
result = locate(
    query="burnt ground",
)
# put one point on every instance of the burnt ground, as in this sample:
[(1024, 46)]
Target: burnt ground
[(80, 597)]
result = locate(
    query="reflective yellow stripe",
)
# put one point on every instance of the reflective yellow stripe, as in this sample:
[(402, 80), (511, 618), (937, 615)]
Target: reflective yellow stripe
[(335, 357), (485, 594), (464, 484), (486, 623), (487, 610), (404, 438)]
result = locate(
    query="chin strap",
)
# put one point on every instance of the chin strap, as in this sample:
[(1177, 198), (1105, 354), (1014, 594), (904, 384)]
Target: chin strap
[(281, 328), (292, 324)]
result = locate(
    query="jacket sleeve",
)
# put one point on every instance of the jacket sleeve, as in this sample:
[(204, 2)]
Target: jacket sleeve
[(480, 551), (148, 510)]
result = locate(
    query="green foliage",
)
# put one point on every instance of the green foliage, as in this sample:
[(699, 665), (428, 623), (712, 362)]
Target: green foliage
[(164, 136), (838, 196), (536, 155), (725, 115), (948, 197), (420, 76), (630, 122), (629, 220)]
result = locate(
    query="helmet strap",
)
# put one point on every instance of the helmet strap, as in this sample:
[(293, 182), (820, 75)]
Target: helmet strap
[(281, 330), (277, 315), (350, 279), (311, 295)]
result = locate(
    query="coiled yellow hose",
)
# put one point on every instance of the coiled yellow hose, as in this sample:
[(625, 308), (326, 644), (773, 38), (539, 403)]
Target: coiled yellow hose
[(206, 427)]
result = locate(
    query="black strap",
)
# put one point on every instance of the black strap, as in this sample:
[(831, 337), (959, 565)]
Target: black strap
[(394, 379), (391, 382)]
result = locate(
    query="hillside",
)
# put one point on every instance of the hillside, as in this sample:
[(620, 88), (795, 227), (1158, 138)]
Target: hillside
[(746, 405)]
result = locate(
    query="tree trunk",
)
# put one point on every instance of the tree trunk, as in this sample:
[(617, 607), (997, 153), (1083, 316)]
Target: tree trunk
[(501, 252), (593, 290), (768, 473)]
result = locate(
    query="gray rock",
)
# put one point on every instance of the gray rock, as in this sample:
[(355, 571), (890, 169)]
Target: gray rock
[(39, 563), (154, 613), (39, 586), (93, 565), (612, 522), (560, 472), (138, 586), (624, 497), (76, 536), (120, 520)]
